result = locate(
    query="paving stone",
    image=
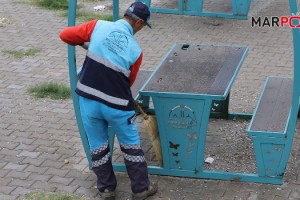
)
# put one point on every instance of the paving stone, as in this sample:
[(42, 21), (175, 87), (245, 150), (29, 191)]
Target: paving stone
[(44, 186), (278, 198), (6, 189), (32, 161), (6, 131), (18, 174), (8, 152), (82, 176), (20, 191), (7, 197), (47, 150), (11, 159), (37, 129), (81, 183), (85, 191), (8, 145), (53, 164), (28, 147), (43, 142), (23, 140), (29, 154), (13, 166), (57, 172), (62, 180), (18, 127), (5, 181), (21, 183), (294, 194), (59, 110), (66, 189), (2, 164)]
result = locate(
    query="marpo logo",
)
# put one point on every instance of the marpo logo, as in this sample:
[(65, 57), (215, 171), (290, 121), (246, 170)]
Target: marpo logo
[(274, 21)]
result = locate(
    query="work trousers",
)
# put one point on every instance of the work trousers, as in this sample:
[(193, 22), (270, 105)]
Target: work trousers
[(96, 118)]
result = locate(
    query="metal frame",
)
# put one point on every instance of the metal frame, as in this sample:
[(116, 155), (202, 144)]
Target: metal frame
[(201, 173), (240, 9), (73, 82)]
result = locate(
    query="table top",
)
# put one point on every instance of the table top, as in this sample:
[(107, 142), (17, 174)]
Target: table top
[(197, 69)]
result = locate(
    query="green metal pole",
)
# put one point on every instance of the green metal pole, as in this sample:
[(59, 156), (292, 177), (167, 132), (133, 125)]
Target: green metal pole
[(296, 87), (73, 81), (115, 10)]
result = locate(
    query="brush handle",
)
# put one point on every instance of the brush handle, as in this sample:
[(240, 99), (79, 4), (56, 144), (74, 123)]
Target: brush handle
[(141, 111)]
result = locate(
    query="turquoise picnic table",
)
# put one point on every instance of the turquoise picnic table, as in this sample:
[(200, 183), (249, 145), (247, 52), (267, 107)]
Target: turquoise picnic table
[(192, 84)]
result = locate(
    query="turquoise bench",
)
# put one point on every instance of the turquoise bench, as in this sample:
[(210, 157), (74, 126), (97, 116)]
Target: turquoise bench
[(269, 127)]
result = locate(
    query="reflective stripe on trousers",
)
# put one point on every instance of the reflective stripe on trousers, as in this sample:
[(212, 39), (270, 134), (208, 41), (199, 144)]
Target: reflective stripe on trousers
[(135, 163)]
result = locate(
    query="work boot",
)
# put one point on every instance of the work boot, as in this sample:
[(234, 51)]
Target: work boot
[(152, 189), (107, 195)]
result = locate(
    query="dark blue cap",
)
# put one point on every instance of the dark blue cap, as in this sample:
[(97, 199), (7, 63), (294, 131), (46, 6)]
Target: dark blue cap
[(140, 10)]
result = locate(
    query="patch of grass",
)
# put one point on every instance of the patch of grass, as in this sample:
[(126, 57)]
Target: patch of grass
[(52, 4), (50, 90), (51, 196), (62, 5), (3, 21), (85, 16), (108, 17), (56, 5), (22, 53)]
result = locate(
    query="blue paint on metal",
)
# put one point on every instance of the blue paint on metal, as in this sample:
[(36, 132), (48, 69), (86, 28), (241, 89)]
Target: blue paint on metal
[(269, 153), (73, 74), (240, 9), (209, 174), (115, 10), (267, 134), (296, 86), (258, 156), (192, 6), (272, 155), (73, 82), (237, 115), (236, 72), (147, 2), (202, 133), (249, 131), (180, 122), (240, 177), (188, 95), (181, 6)]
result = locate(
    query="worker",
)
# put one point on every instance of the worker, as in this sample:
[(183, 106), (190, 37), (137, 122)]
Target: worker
[(110, 68)]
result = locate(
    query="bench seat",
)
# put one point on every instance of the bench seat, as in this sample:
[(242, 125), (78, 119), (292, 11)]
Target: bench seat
[(272, 113)]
